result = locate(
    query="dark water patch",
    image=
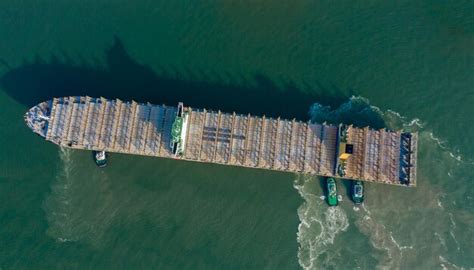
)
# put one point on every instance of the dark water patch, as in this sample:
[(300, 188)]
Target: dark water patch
[(347, 186), (355, 111), (125, 78)]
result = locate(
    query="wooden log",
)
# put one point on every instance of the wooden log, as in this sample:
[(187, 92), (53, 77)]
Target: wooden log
[(134, 121), (202, 132), (86, 122), (231, 143), (102, 116), (261, 137), (302, 158), (217, 136), (146, 129), (274, 143), (52, 119), (116, 125), (246, 139), (68, 122)]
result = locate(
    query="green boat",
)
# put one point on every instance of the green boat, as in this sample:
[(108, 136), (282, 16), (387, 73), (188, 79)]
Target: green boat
[(331, 191), (357, 192), (100, 158)]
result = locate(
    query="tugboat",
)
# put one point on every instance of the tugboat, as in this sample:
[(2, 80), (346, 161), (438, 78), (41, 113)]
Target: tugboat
[(100, 158), (332, 191), (357, 192)]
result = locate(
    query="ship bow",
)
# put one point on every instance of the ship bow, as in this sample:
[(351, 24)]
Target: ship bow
[(37, 118)]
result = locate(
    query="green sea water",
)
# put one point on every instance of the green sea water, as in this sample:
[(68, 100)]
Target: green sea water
[(404, 64)]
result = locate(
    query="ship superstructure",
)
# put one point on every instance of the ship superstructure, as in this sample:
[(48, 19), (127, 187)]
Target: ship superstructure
[(340, 151)]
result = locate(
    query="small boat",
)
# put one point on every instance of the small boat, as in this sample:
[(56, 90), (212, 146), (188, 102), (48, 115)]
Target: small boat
[(332, 191), (357, 192), (100, 158)]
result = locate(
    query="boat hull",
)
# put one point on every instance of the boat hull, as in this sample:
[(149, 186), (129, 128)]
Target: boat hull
[(331, 191)]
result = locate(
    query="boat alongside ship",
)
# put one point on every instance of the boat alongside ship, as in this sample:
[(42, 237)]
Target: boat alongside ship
[(100, 158), (357, 192), (331, 189)]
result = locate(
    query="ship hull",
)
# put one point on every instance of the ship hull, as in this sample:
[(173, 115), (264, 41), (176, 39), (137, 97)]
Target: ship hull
[(201, 135)]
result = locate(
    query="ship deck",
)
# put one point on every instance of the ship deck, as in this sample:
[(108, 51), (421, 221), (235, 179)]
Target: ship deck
[(379, 156)]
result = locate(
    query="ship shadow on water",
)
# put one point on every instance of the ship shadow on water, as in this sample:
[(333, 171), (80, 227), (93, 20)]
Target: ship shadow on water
[(125, 78)]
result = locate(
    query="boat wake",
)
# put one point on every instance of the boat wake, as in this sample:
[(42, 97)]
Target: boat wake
[(58, 205), (381, 239), (359, 112), (452, 153), (72, 210), (319, 226)]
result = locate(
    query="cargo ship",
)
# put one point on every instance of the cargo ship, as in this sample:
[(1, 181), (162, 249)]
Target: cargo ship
[(201, 135)]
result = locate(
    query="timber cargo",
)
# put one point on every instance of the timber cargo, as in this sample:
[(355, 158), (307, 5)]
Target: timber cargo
[(182, 132)]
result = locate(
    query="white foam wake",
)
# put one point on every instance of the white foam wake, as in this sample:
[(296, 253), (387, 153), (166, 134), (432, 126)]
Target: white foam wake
[(445, 264), (381, 239), (77, 209), (359, 112), (452, 153), (319, 224), (58, 205)]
